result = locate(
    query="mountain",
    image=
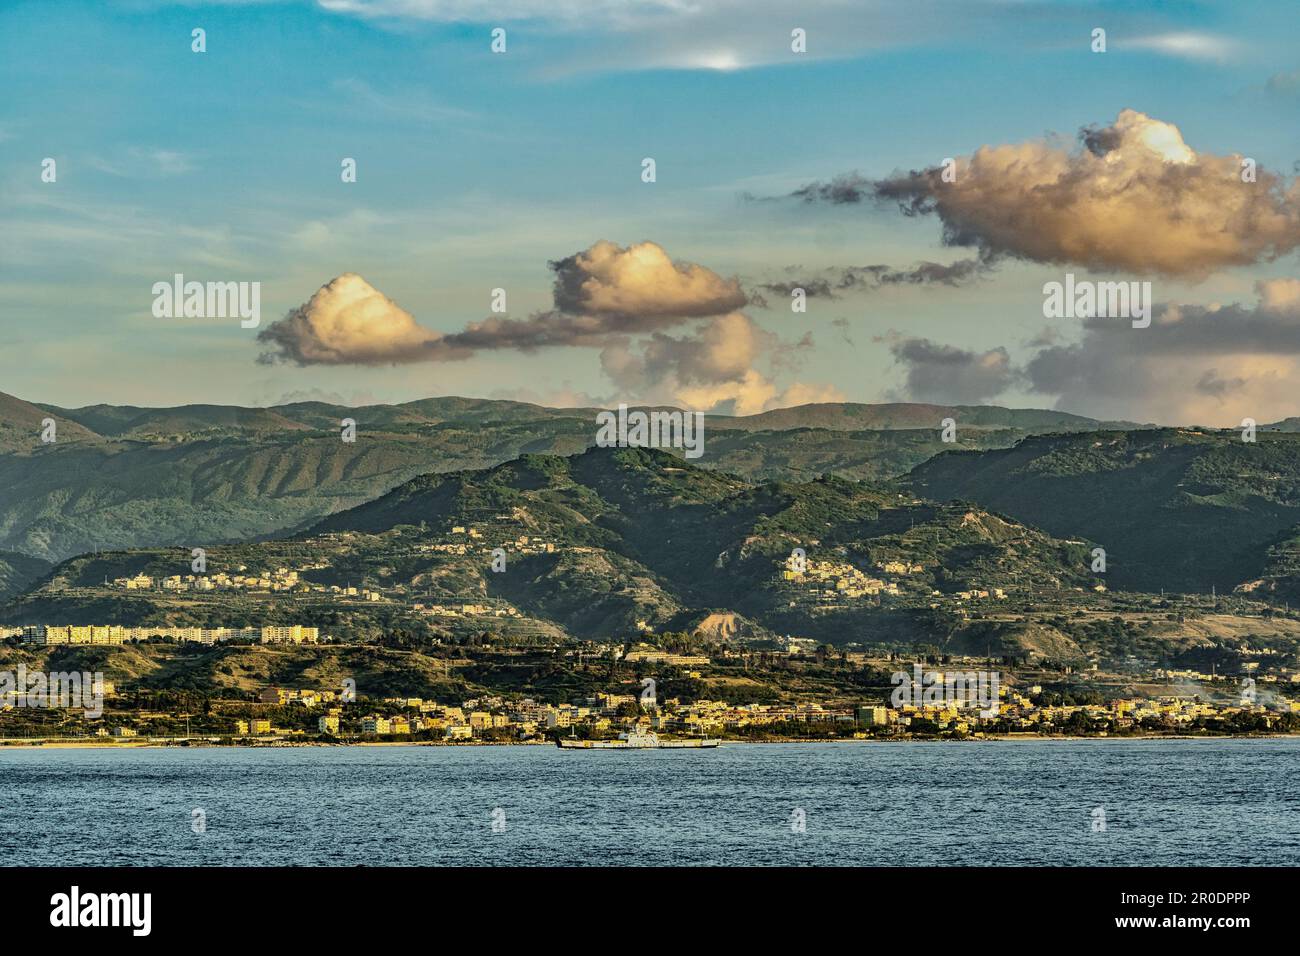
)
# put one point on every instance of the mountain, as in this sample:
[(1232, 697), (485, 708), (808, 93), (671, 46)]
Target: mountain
[(1178, 509), (22, 424), (18, 571), (801, 454), (197, 475), (849, 416), (609, 542), (188, 421)]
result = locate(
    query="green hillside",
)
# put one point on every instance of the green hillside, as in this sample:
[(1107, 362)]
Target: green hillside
[(1181, 510), (607, 542), (18, 571), (124, 476)]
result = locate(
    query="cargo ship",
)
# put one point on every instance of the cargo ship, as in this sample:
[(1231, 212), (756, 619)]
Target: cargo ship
[(638, 739)]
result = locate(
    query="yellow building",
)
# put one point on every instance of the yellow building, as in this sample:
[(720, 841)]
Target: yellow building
[(293, 634), (873, 716)]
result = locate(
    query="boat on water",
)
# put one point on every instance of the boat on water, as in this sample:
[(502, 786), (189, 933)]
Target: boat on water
[(638, 739)]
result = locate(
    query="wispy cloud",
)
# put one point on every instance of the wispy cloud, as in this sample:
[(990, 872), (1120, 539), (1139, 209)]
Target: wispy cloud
[(402, 104), (728, 35), (138, 162), (1191, 46)]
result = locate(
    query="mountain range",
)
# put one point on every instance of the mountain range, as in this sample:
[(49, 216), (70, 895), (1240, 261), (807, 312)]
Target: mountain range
[(897, 527), (1175, 509), (123, 476), (605, 542)]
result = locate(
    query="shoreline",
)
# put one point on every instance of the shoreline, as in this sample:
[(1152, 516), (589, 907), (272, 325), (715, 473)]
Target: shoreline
[(21, 744)]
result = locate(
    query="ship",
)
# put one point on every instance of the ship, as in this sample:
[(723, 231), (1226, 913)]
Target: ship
[(638, 739)]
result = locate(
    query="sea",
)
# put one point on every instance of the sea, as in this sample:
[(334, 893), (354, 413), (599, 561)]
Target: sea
[(1069, 802)]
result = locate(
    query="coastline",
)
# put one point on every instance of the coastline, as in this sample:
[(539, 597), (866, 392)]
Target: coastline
[(19, 744)]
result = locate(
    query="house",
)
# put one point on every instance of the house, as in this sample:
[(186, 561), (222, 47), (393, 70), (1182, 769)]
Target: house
[(376, 725)]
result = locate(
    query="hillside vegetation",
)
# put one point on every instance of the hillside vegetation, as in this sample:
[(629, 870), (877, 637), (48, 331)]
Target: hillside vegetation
[(196, 475), (1175, 509)]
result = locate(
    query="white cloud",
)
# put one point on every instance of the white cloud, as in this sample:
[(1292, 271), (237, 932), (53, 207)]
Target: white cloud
[(1192, 46), (726, 35), (1132, 197)]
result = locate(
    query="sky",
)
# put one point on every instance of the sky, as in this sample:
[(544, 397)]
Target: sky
[(775, 170)]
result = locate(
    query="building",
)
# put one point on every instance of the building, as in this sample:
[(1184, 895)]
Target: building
[(328, 724), (873, 716), (376, 725), (653, 655), (293, 634), (114, 634)]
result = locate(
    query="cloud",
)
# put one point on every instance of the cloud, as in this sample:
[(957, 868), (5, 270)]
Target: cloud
[(603, 292), (608, 292), (833, 282), (640, 283), (1209, 365), (1133, 197), (1191, 46), (844, 189), (350, 322), (720, 351), (1283, 84), (628, 302), (404, 104), (728, 35), (605, 12), (357, 398), (751, 394), (1195, 365), (710, 368), (140, 163), (944, 374), (565, 396), (842, 324)]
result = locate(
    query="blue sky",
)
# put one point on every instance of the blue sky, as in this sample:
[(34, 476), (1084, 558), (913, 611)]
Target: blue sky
[(475, 170)]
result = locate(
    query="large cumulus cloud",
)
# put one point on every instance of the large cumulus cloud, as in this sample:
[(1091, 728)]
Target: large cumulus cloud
[(350, 322), (1131, 196), (640, 283)]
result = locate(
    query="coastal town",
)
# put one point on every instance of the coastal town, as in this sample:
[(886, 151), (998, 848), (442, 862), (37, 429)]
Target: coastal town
[(644, 696)]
